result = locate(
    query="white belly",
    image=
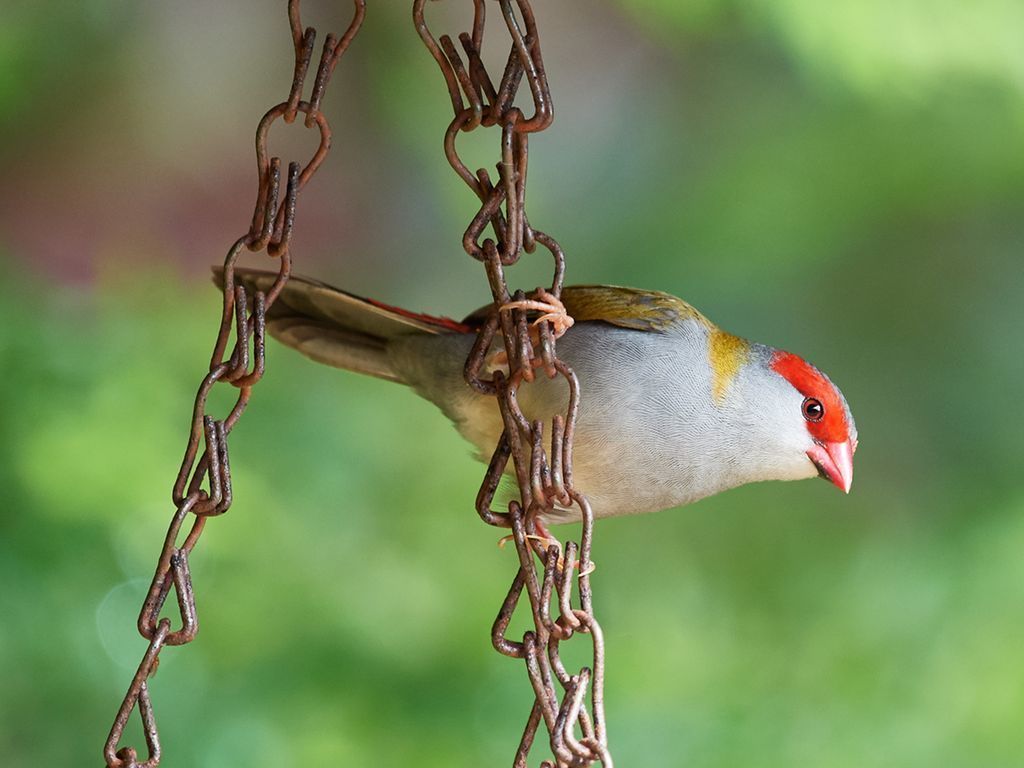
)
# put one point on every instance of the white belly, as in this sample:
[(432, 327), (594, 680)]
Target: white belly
[(648, 436)]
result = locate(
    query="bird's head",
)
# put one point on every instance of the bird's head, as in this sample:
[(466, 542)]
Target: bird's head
[(791, 421), (816, 420)]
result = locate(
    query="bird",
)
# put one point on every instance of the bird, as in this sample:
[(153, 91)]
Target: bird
[(673, 409)]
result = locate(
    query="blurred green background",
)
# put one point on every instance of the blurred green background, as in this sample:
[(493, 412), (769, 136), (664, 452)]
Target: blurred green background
[(843, 179)]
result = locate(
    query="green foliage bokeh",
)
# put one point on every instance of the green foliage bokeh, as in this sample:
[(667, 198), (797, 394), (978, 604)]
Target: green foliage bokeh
[(845, 180)]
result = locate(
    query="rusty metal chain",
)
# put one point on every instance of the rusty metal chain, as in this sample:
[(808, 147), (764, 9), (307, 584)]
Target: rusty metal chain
[(270, 231), (544, 476)]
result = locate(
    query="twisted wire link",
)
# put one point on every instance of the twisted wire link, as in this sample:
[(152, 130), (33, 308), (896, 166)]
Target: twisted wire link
[(202, 487), (577, 735)]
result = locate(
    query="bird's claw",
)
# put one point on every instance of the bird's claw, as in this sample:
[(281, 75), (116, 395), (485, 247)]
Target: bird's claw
[(549, 541), (552, 310)]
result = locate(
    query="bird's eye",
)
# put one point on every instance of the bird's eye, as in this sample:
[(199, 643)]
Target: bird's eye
[(813, 409)]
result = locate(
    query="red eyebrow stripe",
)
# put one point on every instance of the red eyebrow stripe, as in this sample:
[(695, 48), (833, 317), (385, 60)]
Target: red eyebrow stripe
[(810, 382)]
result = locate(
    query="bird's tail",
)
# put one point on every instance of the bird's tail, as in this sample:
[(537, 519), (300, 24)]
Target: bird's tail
[(337, 328)]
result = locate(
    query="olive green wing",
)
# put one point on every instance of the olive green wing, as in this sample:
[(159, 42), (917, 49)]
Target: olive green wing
[(632, 308)]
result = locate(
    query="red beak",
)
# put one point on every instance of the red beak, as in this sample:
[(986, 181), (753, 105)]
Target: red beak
[(834, 462)]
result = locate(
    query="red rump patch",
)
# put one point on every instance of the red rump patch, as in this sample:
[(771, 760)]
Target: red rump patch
[(810, 382), (441, 322)]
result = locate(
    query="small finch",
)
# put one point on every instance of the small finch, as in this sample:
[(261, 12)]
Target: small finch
[(673, 408)]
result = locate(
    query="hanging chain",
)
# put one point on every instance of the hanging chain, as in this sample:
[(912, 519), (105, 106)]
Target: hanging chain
[(544, 479), (270, 231)]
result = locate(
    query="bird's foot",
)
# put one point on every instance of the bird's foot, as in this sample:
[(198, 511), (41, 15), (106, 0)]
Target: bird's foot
[(545, 538), (550, 306), (547, 541), (552, 311), (545, 535)]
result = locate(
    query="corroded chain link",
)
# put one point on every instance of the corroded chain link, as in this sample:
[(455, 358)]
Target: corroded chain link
[(270, 231), (544, 476)]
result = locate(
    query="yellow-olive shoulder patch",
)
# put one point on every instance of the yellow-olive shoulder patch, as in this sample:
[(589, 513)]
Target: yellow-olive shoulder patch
[(727, 354), (629, 307)]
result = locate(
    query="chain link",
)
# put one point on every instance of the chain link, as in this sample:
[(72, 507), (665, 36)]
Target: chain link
[(270, 231), (544, 476)]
